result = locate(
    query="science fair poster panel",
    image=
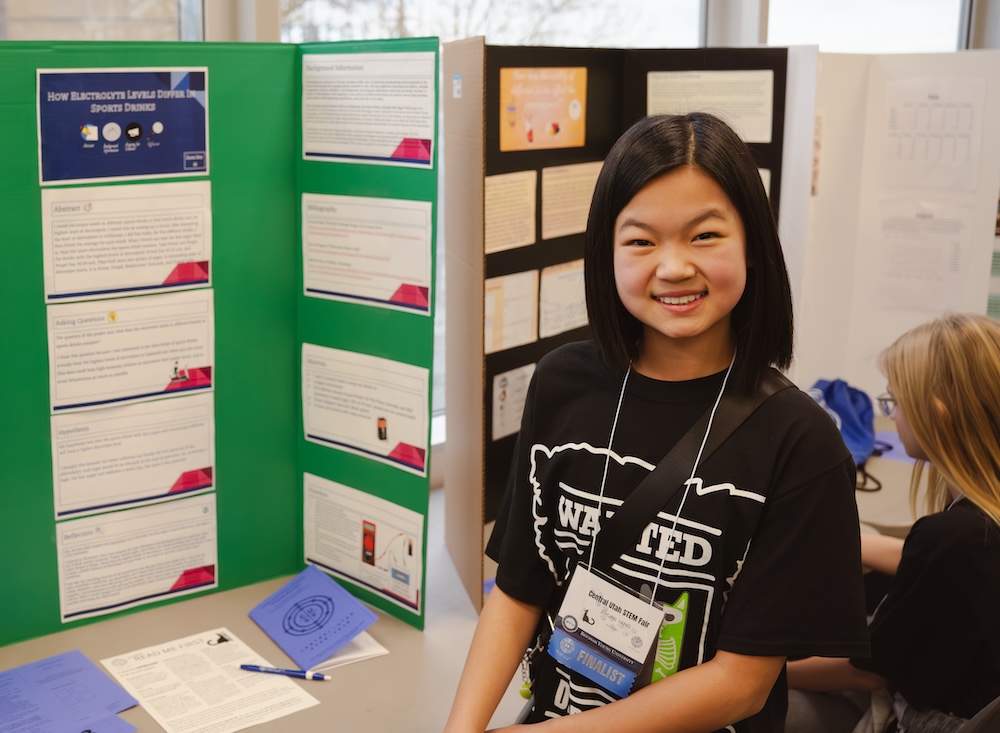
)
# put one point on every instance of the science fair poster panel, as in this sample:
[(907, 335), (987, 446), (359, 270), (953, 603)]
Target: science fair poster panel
[(143, 453), (110, 562), (113, 352), (112, 241), (367, 405), (372, 251), (121, 124), (365, 539), (377, 108)]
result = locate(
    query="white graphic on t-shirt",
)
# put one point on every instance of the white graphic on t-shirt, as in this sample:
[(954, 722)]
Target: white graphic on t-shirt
[(697, 484), (672, 553), (731, 580), (538, 454)]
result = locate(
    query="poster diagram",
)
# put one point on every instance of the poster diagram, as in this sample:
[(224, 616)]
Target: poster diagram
[(364, 539), (121, 124), (543, 108), (373, 407)]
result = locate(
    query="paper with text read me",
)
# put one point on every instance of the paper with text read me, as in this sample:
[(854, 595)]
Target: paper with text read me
[(311, 617)]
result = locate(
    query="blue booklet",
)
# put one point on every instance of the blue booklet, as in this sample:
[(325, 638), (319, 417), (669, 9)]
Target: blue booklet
[(311, 617)]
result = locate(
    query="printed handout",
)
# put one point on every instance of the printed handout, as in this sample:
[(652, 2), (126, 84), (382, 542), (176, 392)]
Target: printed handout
[(744, 99), (510, 391), (311, 617), (509, 210), (566, 194), (110, 562), (104, 353), (132, 455), (364, 539), (923, 255), (369, 108), (101, 124), (368, 250), (109, 241), (195, 684), (933, 133), (562, 301), (510, 311), (373, 407), (65, 692), (543, 108)]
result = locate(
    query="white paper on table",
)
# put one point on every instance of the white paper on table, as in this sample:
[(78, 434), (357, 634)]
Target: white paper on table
[(361, 647), (195, 684)]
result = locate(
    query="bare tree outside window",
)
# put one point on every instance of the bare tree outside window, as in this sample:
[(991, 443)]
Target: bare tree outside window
[(628, 23), (101, 20)]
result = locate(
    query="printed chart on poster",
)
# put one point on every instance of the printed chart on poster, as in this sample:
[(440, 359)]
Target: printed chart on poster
[(125, 124), (132, 455), (364, 539), (109, 241), (365, 250), (933, 133), (103, 353), (110, 562), (373, 407), (369, 108)]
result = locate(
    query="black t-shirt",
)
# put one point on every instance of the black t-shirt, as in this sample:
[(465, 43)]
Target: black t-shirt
[(936, 635), (765, 555)]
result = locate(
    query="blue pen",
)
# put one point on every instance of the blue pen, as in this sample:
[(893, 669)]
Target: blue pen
[(301, 674)]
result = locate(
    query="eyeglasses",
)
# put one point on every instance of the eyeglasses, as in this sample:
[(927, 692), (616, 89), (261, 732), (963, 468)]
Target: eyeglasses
[(887, 404)]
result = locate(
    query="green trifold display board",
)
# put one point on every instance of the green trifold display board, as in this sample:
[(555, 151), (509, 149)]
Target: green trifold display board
[(268, 311)]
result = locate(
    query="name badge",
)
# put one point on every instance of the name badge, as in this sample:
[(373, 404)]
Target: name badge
[(604, 631)]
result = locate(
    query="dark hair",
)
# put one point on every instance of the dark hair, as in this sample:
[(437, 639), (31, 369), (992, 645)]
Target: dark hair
[(762, 319)]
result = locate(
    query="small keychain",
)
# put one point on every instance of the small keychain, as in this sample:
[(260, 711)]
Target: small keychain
[(526, 660), (525, 679)]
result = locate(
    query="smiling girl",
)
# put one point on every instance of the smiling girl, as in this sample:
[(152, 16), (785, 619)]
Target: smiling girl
[(755, 556)]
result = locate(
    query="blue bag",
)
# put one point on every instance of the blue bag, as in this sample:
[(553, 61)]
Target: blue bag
[(852, 411)]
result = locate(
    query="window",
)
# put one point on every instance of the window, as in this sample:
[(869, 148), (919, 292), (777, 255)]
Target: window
[(101, 20), (627, 23), (866, 26)]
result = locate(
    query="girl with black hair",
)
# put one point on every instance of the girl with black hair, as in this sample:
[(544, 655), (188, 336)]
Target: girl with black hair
[(753, 555)]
